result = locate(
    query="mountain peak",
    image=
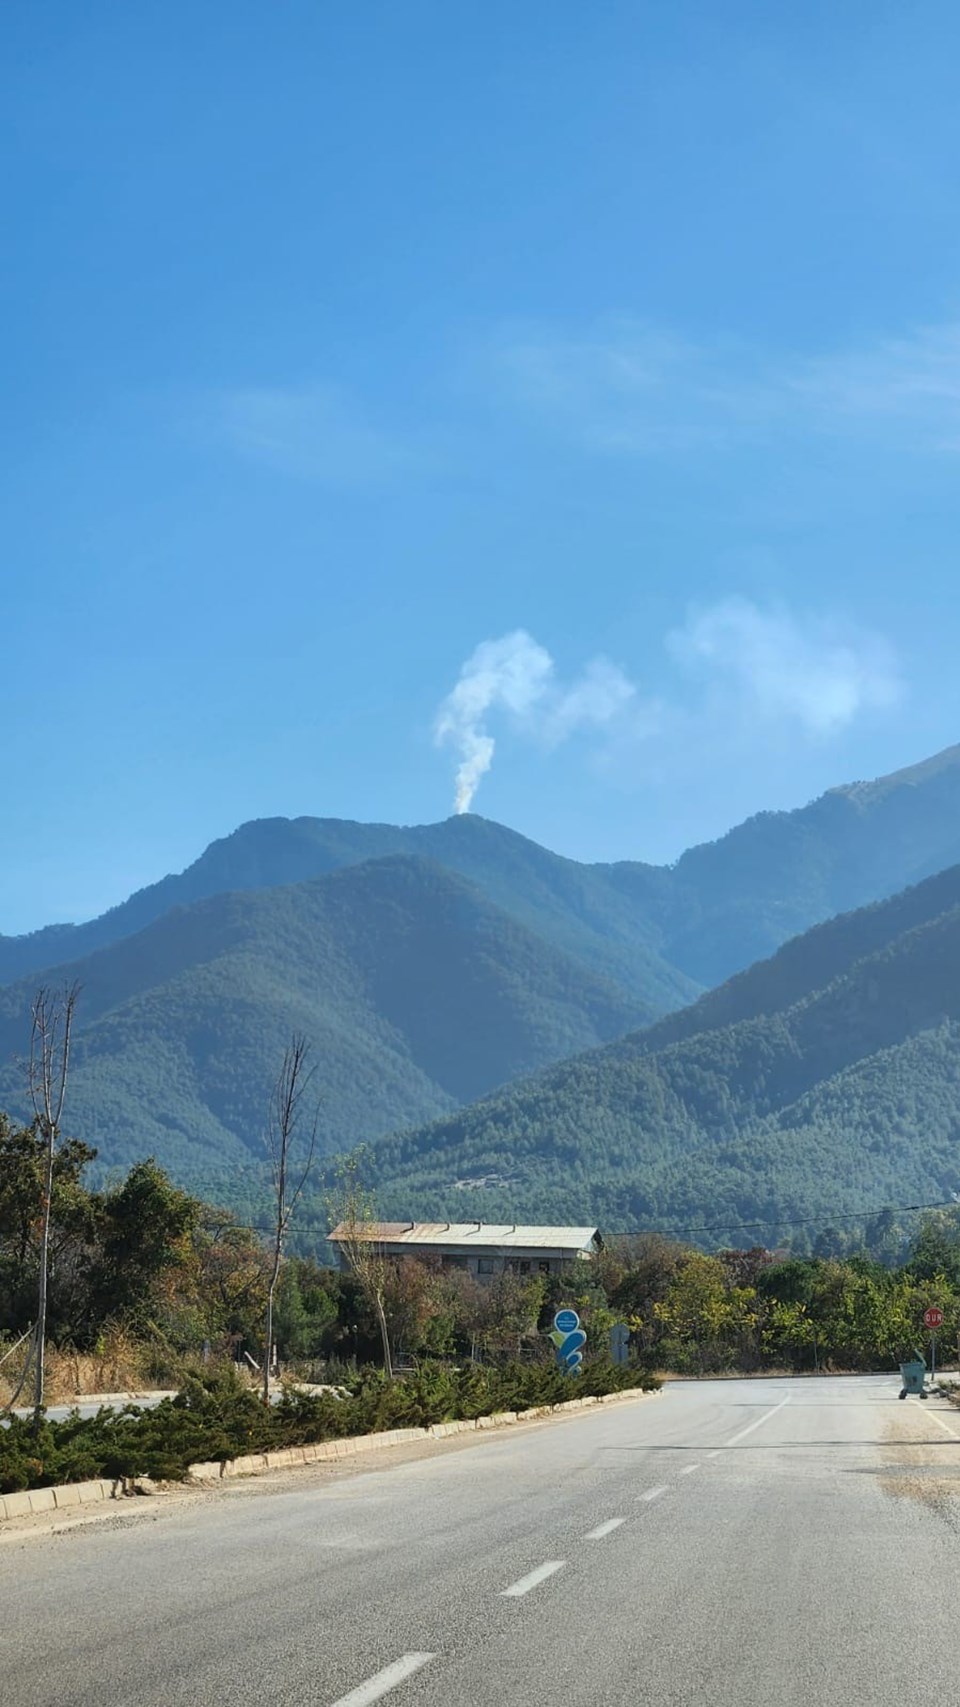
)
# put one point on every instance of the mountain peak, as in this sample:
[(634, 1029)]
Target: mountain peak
[(910, 776)]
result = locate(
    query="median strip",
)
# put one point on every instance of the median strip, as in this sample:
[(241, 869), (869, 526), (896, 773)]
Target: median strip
[(49, 1499)]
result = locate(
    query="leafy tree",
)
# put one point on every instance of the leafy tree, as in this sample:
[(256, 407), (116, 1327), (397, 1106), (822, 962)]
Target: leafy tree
[(145, 1227), (307, 1313), (936, 1248), (22, 1159)]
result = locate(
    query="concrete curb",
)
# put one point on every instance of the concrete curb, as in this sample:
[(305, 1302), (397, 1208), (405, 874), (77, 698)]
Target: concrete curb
[(258, 1463)]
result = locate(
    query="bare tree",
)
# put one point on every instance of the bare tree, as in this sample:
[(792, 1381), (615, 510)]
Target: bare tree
[(356, 1229), (52, 1015), (283, 1129)]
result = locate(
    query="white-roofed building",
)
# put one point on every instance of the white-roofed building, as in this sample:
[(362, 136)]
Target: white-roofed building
[(481, 1247)]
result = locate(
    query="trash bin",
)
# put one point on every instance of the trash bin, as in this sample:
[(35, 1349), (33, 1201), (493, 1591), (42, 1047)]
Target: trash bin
[(912, 1377)]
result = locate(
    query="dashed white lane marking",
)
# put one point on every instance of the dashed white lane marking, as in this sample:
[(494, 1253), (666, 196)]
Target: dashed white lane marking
[(653, 1494), (937, 1419), (688, 1469), (533, 1579), (742, 1435), (385, 1680), (715, 1453), (603, 1529)]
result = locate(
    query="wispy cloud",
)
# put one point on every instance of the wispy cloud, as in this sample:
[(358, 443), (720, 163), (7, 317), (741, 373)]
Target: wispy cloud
[(633, 389), (626, 388), (912, 380), (810, 670), (313, 433), (739, 671), (515, 677)]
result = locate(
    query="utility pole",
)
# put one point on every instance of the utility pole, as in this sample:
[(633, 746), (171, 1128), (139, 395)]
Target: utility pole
[(293, 1081), (51, 1025)]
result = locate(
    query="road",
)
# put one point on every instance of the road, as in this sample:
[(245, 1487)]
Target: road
[(88, 1407), (727, 1543)]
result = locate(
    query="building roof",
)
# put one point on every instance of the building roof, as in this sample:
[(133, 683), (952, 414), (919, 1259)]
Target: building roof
[(440, 1235)]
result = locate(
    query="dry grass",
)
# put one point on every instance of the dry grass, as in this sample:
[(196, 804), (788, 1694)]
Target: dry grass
[(118, 1365)]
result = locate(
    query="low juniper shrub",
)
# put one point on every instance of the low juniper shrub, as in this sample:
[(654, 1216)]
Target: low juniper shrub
[(216, 1417)]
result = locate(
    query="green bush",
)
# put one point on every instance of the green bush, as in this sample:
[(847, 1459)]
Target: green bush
[(216, 1418)]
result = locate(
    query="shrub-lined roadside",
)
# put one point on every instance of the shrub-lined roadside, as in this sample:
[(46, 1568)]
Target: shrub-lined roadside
[(217, 1419)]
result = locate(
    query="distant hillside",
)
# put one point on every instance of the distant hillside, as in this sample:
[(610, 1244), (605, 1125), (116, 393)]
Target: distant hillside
[(662, 933), (574, 907), (823, 1081), (732, 902), (416, 992)]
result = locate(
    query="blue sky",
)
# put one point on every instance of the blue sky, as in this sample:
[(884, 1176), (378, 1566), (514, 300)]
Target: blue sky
[(561, 398)]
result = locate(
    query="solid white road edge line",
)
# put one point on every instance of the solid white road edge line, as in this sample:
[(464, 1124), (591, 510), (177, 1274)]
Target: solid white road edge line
[(525, 1584), (654, 1493), (385, 1680), (759, 1422), (603, 1529), (937, 1419)]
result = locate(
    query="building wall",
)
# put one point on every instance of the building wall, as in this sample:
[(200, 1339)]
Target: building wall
[(487, 1264)]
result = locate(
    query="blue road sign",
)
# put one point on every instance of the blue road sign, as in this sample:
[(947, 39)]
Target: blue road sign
[(568, 1337)]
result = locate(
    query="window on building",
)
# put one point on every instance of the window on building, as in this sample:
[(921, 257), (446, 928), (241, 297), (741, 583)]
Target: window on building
[(454, 1262), (484, 1265), (523, 1267), (544, 1267)]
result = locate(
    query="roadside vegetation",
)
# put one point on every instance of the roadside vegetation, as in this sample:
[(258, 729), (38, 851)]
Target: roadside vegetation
[(219, 1417), (149, 1286)]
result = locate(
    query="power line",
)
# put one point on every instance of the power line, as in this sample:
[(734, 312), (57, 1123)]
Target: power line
[(808, 1221)]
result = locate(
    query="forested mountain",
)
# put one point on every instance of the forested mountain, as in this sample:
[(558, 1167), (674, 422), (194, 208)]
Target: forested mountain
[(731, 902), (824, 1081), (575, 907), (415, 991), (431, 965), (662, 933)]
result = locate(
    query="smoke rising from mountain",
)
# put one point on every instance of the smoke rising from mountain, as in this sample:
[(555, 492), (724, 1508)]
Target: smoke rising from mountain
[(741, 671), (516, 676)]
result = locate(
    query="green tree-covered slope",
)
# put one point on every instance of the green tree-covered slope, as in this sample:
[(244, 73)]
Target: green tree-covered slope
[(662, 933), (732, 902), (826, 1080), (415, 991), (574, 907)]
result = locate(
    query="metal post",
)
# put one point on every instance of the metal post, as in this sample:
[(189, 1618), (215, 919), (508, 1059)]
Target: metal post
[(933, 1359)]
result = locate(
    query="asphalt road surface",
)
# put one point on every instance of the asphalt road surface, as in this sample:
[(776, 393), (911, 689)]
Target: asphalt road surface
[(736, 1544), (89, 1407)]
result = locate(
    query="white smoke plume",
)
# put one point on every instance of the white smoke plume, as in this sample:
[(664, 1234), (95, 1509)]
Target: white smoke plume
[(516, 676)]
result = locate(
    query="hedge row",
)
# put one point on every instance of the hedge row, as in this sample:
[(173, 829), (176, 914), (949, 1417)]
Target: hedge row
[(218, 1418)]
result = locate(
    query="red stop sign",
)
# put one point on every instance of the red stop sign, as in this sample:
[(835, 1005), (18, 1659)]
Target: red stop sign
[(933, 1318)]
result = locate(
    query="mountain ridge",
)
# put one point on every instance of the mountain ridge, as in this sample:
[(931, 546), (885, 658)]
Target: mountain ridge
[(664, 932), (417, 992), (846, 1092)]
